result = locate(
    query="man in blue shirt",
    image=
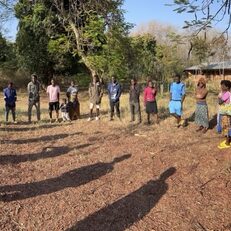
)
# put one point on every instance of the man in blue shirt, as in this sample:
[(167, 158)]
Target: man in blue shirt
[(114, 93), (177, 96), (10, 97)]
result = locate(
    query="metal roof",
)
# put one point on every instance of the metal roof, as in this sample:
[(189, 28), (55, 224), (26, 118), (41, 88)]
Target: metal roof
[(211, 66)]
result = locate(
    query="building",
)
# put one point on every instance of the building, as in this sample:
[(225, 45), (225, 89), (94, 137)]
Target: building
[(210, 71)]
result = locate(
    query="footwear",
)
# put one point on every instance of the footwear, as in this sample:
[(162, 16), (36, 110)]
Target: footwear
[(57, 120), (223, 145), (199, 129), (96, 118), (204, 130), (15, 122), (89, 119)]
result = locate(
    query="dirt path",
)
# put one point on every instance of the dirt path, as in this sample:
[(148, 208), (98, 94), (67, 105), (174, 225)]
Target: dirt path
[(103, 176)]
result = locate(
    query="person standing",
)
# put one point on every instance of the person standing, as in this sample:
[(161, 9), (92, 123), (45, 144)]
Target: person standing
[(177, 96), (114, 93), (72, 95), (134, 100), (10, 97), (53, 92), (95, 95), (224, 100), (201, 113), (33, 89), (150, 104)]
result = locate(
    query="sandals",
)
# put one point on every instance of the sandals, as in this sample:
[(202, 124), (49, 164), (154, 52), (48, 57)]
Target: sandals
[(223, 145)]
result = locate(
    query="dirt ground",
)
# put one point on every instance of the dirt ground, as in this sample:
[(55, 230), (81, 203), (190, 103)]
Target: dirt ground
[(113, 176)]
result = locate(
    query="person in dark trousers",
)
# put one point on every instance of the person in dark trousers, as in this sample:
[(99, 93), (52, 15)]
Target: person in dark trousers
[(114, 93), (10, 97), (33, 89), (134, 100)]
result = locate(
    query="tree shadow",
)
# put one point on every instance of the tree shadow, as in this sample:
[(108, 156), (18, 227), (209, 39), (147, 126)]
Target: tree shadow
[(52, 152), (73, 178), (123, 213), (213, 122), (163, 113), (39, 139), (17, 128)]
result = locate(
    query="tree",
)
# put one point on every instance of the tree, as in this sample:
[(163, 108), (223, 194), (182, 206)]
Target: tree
[(205, 12), (90, 25)]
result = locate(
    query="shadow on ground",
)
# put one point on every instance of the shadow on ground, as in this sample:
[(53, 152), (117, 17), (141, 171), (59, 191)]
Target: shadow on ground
[(47, 152), (73, 178), (123, 213), (40, 139)]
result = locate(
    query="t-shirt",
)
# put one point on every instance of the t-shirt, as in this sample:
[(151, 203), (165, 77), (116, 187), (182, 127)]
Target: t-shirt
[(149, 94), (177, 90), (53, 92), (72, 90), (226, 97)]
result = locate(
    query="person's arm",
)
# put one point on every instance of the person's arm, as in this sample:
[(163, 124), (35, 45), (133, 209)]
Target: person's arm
[(119, 92), (28, 88), (15, 95), (58, 94), (4, 95), (183, 94), (170, 92), (89, 91), (145, 96)]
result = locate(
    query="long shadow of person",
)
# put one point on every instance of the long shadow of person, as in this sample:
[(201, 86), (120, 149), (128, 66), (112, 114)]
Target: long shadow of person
[(52, 152), (39, 139), (73, 178), (123, 213)]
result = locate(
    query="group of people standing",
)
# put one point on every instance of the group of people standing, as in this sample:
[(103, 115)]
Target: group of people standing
[(69, 106)]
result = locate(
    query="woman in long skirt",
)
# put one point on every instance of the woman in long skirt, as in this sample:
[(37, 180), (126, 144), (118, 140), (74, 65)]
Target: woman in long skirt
[(201, 113)]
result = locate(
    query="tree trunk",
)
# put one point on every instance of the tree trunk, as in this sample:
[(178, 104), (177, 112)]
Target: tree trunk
[(81, 54)]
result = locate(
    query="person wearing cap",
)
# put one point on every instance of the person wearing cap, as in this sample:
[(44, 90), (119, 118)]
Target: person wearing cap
[(33, 89), (10, 97)]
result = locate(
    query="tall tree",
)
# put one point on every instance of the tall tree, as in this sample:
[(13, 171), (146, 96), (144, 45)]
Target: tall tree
[(89, 24)]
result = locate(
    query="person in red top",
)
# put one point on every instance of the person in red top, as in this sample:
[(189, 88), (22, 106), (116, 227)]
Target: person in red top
[(150, 104)]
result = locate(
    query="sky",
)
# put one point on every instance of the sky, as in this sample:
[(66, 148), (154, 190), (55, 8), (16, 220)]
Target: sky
[(137, 12)]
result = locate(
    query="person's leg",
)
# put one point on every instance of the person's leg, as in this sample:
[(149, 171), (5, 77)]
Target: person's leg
[(30, 106), (148, 118), (51, 106), (67, 116), (91, 111), (13, 113), (117, 106), (112, 104), (57, 111), (97, 111), (138, 112), (37, 106), (7, 109), (132, 111)]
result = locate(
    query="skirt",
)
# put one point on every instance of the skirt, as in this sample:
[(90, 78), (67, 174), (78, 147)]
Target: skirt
[(201, 115), (151, 107), (226, 125)]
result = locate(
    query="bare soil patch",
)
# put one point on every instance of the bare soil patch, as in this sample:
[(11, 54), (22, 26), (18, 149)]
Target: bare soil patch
[(111, 176)]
